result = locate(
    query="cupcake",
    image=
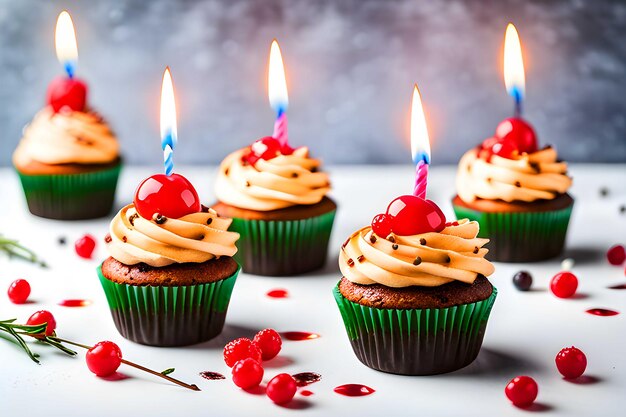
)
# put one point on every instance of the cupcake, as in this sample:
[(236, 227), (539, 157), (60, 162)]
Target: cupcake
[(170, 275), (277, 198), (414, 296), (517, 192)]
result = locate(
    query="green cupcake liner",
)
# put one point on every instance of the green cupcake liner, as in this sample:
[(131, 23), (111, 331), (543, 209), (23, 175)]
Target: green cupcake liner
[(415, 341), (87, 195), (283, 247), (169, 316), (521, 236)]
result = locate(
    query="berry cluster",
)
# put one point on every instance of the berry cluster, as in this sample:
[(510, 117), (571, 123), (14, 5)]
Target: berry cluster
[(266, 148)]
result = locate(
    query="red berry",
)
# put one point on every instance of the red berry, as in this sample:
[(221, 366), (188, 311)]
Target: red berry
[(564, 284), (413, 215), (265, 148), (168, 195), (85, 246), (18, 291), (497, 146), (519, 132), (104, 358), (239, 349), (247, 373), (41, 317), (281, 388), (67, 92), (616, 255), (381, 225), (522, 391), (571, 362), (269, 341)]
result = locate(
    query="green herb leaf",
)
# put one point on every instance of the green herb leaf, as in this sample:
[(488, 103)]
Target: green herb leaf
[(168, 371)]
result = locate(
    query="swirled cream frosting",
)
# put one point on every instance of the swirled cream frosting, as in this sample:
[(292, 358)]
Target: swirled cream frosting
[(427, 259), (196, 237), (526, 177), (66, 137), (280, 182)]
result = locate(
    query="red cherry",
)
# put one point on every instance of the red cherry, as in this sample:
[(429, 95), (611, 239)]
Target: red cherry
[(413, 215), (84, 246), (170, 196), (104, 358), (381, 225), (518, 131), (67, 92), (264, 148), (571, 362), (564, 284), (522, 391), (281, 388), (18, 291), (41, 317), (270, 343), (239, 349), (247, 373), (616, 255), (496, 146)]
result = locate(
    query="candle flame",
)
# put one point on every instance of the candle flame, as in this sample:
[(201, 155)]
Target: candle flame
[(420, 144), (276, 82), (65, 42), (169, 131), (514, 77)]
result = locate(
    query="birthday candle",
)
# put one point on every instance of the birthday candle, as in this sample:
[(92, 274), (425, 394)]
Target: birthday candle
[(420, 145), (514, 77), (169, 134)]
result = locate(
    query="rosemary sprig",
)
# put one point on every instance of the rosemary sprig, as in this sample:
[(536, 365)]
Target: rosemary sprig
[(13, 249)]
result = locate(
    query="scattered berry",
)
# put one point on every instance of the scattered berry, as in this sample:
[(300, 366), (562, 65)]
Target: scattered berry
[(616, 255), (269, 341), (564, 284), (18, 291), (281, 388), (522, 280), (247, 373), (571, 362), (41, 317), (239, 349), (522, 391), (171, 196), (104, 358), (85, 246)]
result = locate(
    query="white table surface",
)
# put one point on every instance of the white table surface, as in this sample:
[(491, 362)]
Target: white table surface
[(525, 330)]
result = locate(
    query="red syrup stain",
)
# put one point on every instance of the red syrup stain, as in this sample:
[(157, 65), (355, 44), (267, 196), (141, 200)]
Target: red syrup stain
[(618, 287), (604, 312), (75, 303), (278, 293), (354, 390), (306, 378), (212, 376), (306, 393), (298, 336)]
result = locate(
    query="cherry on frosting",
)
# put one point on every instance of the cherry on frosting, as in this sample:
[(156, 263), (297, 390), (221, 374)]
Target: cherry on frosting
[(171, 196), (495, 146), (264, 148), (67, 92), (409, 215), (381, 225), (519, 132)]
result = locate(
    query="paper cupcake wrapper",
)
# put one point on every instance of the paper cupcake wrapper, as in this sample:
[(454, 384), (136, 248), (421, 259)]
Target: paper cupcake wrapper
[(521, 236), (87, 195), (415, 341), (169, 316), (283, 247)]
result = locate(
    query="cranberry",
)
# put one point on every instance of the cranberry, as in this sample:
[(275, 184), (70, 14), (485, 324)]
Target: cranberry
[(84, 246), (571, 362), (41, 317), (522, 391), (281, 388), (522, 280), (247, 373), (104, 358), (564, 284), (381, 225), (519, 132), (264, 148), (269, 341), (168, 195), (18, 291), (413, 215), (239, 349), (616, 255), (67, 92)]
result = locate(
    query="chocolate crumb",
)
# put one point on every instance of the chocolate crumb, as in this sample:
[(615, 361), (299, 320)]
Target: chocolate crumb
[(132, 218), (391, 239), (209, 220), (622, 209), (604, 191), (294, 175), (394, 246), (159, 218), (361, 258), (247, 183), (124, 239), (226, 171), (422, 241), (62, 240), (143, 267), (489, 180), (417, 261), (548, 146), (204, 208), (107, 238), (447, 260), (518, 184), (200, 237), (372, 238), (475, 249), (350, 263), (314, 169), (535, 166)]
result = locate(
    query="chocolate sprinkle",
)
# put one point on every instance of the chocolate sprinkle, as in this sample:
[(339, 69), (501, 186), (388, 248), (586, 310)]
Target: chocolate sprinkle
[(62, 240), (124, 239), (132, 218), (247, 183), (394, 246), (361, 258), (226, 171), (209, 220), (350, 263), (518, 184), (475, 249), (422, 241), (158, 218), (447, 260), (489, 180), (372, 238), (345, 243), (417, 261), (622, 209), (535, 166), (604, 191), (107, 238), (391, 239), (204, 208), (294, 175)]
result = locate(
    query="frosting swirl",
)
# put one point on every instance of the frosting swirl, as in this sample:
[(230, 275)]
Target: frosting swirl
[(427, 259), (196, 237), (527, 177), (280, 182), (67, 137)]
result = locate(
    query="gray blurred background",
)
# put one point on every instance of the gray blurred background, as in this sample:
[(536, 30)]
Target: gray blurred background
[(350, 67)]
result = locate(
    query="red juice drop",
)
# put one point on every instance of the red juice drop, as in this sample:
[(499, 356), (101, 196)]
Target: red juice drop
[(618, 287), (306, 378), (298, 336), (306, 393), (604, 312), (278, 293), (212, 376), (75, 303), (354, 390)]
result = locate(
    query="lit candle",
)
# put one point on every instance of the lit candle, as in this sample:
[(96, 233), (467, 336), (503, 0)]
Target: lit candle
[(420, 145), (514, 77), (277, 91), (169, 133)]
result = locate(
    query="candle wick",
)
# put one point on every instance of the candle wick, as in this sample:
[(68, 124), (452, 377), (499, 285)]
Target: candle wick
[(69, 69), (518, 102)]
